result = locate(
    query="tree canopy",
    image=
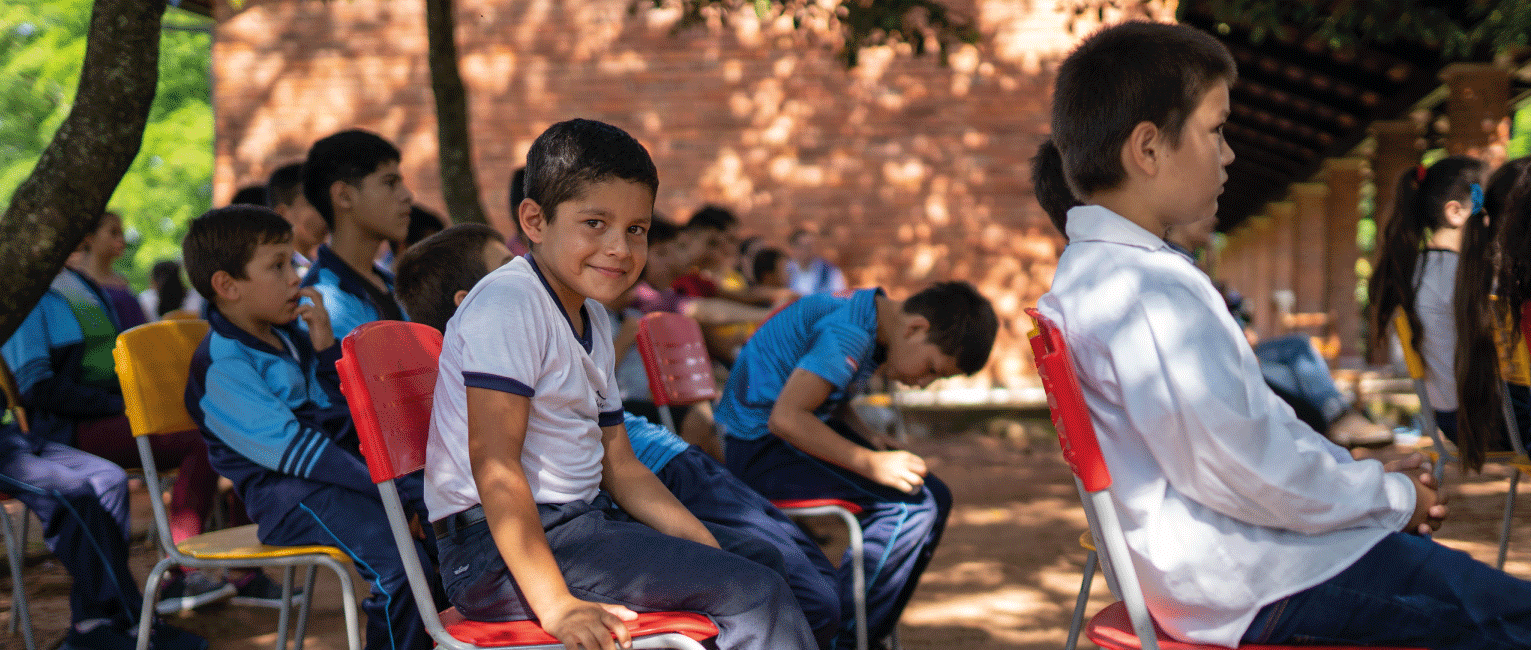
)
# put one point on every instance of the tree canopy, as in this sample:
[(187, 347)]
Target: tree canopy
[(42, 45)]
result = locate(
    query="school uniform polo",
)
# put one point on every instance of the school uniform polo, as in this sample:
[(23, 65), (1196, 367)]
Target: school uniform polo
[(1227, 500), (350, 299)]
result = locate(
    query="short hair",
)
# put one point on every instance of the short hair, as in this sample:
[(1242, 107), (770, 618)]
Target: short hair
[(572, 155), (249, 195), (225, 239), (712, 217), (427, 274), (347, 156), (962, 322), (662, 230), (766, 261), (517, 194), (284, 185), (423, 222), (1118, 77)]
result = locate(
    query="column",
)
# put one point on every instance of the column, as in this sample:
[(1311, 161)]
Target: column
[(1310, 267), (1344, 207), (1478, 108), (1283, 245), (1398, 149), (1258, 298)]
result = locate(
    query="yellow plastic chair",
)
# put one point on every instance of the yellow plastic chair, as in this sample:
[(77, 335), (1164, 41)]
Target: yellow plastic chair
[(153, 362), (1440, 454)]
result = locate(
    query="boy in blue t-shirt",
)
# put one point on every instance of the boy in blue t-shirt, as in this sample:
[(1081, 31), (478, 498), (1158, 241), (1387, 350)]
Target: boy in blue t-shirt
[(541, 509), (791, 433), (433, 278), (352, 179), (265, 393)]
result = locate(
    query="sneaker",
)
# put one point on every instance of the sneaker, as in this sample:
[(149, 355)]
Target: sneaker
[(1353, 430), (261, 591), (191, 590)]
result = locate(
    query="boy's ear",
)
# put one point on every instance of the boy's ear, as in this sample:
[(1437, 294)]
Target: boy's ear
[(342, 196), (915, 325), (1141, 151), (533, 220), (224, 285), (457, 298)]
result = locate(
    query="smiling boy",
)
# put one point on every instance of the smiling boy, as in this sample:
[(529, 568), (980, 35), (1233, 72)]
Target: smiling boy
[(352, 179), (541, 509), (267, 398)]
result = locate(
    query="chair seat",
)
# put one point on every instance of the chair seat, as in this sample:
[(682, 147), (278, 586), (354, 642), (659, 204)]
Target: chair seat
[(241, 543), (793, 504), (514, 633), (1111, 629)]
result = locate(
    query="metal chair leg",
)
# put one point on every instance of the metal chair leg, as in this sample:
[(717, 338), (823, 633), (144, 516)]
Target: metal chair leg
[(308, 599), (284, 615), (1077, 623), (1509, 513), (14, 548)]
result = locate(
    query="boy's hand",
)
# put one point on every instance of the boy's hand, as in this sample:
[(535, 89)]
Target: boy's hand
[(1429, 506), (899, 470), (583, 625), (317, 318)]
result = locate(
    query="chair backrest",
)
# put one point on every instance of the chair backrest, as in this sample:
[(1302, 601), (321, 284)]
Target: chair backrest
[(1411, 358), (12, 394), (153, 361), (675, 359), (388, 375), (1416, 366), (1076, 436)]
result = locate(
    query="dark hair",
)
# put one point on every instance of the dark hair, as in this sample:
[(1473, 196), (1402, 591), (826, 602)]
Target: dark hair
[(662, 230), (517, 194), (1480, 319), (571, 156), (797, 234), (712, 217), (225, 239), (249, 195), (284, 185), (166, 276), (1418, 207), (347, 156), (962, 322), (766, 261), (1117, 78), (422, 223), (428, 274)]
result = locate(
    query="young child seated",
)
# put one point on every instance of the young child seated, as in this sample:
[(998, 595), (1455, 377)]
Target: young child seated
[(541, 509), (352, 178), (1243, 524), (791, 433), (266, 395), (434, 276)]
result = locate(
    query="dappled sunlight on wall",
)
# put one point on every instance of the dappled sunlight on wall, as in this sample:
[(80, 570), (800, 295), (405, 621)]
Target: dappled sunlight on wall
[(912, 170)]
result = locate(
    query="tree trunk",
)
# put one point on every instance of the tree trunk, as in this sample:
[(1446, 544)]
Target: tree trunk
[(76, 175), (459, 185)]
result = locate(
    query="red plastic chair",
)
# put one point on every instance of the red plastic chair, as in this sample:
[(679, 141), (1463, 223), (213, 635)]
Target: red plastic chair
[(680, 373), (1125, 624), (388, 374)]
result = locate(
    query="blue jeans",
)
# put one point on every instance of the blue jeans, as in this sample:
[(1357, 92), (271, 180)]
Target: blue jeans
[(1406, 591), (1293, 367)]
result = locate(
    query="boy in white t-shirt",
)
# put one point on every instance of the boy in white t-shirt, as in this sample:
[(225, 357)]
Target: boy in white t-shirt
[(540, 507)]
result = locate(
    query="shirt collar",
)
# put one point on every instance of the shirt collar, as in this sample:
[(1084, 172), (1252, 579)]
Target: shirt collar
[(583, 337), (296, 337), (1097, 223)]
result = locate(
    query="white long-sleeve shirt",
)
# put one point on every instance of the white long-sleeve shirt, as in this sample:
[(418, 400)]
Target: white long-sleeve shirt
[(1227, 500)]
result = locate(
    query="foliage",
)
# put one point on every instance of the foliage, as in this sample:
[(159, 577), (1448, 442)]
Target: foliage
[(862, 23), (42, 45)]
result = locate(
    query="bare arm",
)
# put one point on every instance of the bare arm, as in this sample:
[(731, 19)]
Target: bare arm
[(792, 420), (721, 311), (496, 433), (625, 338), (641, 494)]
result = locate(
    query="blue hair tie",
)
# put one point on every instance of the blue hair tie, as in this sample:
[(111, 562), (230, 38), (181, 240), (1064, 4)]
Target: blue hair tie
[(1477, 198)]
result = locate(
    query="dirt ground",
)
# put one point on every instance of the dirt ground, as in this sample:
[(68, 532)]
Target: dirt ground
[(1005, 577)]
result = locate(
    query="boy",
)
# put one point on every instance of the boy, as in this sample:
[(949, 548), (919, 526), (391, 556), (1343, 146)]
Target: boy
[(1244, 524), (267, 399), (284, 191), (532, 485), (352, 178), (435, 275), (791, 433)]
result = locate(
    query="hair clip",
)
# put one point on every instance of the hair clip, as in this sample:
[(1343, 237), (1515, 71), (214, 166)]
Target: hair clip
[(1419, 173), (1477, 198)]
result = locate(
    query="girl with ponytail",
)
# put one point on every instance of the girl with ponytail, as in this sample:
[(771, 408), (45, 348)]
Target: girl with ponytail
[(1417, 268)]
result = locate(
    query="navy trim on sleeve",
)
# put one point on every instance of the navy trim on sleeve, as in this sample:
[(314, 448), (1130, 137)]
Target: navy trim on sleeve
[(610, 419), (502, 384)]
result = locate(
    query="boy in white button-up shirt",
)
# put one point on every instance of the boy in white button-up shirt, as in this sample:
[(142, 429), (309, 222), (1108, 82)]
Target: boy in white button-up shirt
[(1244, 524)]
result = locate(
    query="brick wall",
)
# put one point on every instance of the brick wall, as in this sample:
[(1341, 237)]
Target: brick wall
[(912, 171)]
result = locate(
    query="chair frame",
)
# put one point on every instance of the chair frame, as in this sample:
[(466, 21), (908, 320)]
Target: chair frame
[(382, 461), (678, 379), (232, 548), (15, 533)]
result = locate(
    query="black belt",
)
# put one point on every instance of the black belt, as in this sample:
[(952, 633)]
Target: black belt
[(454, 522)]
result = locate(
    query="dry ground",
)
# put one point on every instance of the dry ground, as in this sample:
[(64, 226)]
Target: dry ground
[(1005, 577)]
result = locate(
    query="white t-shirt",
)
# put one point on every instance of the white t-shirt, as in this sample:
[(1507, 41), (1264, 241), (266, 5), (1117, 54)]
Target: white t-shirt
[(510, 334), (1227, 500), (1433, 303)]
